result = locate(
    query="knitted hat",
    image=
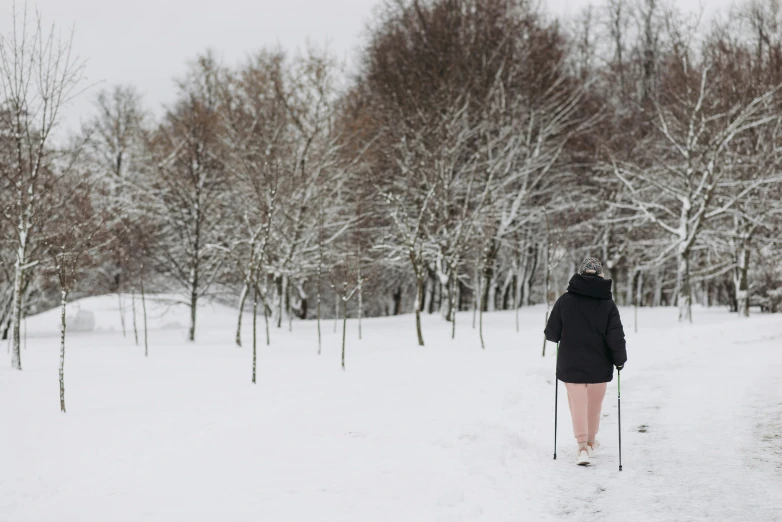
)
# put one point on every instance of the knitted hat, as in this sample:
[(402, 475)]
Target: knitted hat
[(590, 265)]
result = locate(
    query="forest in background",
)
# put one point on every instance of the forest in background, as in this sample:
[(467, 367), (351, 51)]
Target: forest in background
[(479, 152)]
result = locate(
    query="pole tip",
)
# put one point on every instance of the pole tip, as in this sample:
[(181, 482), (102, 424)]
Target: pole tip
[(620, 468), (555, 456)]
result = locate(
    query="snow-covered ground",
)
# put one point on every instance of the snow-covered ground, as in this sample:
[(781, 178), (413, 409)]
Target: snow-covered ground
[(443, 433)]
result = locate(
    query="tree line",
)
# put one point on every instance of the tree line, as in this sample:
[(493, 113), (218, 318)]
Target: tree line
[(479, 151)]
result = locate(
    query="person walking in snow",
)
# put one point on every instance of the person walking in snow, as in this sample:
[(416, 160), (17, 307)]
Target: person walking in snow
[(586, 324)]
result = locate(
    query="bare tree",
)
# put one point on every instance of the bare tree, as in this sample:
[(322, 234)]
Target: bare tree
[(254, 124), (115, 149), (38, 75), (677, 190), (308, 91), (186, 190), (69, 240)]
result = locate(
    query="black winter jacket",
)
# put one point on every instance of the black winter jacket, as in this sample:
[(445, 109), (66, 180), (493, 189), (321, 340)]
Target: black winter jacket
[(585, 322)]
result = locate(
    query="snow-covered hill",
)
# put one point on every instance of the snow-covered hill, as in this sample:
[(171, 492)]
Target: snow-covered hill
[(447, 432), (164, 312)]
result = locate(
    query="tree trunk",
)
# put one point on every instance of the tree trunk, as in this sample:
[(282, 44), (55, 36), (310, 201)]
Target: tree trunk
[(24, 323), (521, 275), (517, 291), (266, 319), (317, 310), (443, 300), (121, 313), (639, 284), (193, 311), (706, 293), (733, 302), (5, 334), (480, 326), (360, 300), (476, 295), (714, 291), (429, 294), (491, 287), (684, 290), (288, 307), (144, 310), (304, 303), (525, 292), (529, 272), (6, 329), (546, 282), (485, 292), (242, 300), (555, 281), (320, 274), (133, 309), (19, 269), (63, 302), (741, 280), (344, 330), (418, 296), (658, 287), (16, 311), (255, 329), (508, 289), (336, 311), (397, 297), (482, 305), (281, 284), (452, 306)]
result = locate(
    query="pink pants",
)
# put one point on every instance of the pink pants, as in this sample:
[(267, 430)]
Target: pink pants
[(585, 401)]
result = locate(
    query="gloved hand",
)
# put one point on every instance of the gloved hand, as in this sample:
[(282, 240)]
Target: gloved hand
[(620, 367)]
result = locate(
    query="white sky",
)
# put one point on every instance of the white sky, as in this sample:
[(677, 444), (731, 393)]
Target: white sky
[(148, 42)]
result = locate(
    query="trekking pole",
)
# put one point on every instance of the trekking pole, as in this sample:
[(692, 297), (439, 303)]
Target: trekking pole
[(556, 402), (619, 411)]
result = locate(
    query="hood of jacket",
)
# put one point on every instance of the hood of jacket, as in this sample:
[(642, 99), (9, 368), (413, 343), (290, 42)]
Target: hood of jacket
[(590, 286)]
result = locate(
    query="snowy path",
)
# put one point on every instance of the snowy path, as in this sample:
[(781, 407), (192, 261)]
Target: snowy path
[(698, 412), (443, 433)]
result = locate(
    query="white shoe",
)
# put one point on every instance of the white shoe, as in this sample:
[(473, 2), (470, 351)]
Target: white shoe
[(583, 458), (592, 450)]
